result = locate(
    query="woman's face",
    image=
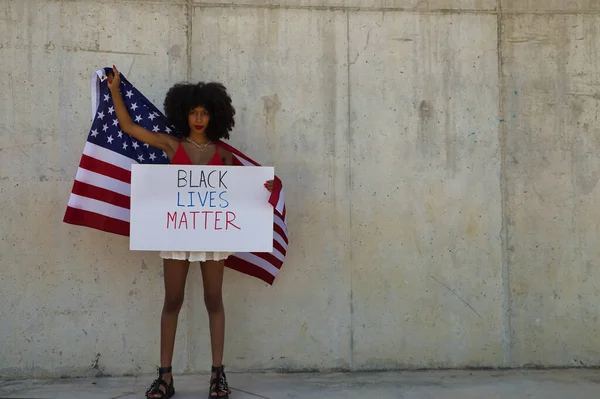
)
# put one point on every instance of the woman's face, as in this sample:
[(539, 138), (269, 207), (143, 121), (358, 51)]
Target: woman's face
[(198, 119)]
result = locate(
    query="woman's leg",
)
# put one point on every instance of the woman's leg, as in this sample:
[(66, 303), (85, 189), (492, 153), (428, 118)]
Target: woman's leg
[(175, 274), (212, 279)]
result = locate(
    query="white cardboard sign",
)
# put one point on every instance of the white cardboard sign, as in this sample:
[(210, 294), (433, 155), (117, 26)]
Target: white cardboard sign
[(200, 208)]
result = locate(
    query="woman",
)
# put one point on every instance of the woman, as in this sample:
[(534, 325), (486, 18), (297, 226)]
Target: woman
[(203, 115)]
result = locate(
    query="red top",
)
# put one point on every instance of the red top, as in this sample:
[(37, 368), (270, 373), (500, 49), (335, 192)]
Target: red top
[(181, 157)]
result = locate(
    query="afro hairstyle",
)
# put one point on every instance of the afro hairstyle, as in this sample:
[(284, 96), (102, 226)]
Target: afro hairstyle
[(183, 97)]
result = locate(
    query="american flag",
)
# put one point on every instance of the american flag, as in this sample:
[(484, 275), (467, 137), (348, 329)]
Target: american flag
[(100, 197)]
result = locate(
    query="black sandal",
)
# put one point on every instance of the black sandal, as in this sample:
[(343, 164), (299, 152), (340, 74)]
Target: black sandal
[(218, 384), (155, 387)]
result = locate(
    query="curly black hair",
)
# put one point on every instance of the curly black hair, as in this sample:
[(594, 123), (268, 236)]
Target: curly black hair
[(183, 97)]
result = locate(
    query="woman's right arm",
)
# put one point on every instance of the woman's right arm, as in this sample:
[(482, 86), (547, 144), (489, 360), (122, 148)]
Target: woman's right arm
[(161, 141)]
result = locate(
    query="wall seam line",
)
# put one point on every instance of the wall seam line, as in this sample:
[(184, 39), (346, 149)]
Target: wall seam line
[(505, 269), (350, 246)]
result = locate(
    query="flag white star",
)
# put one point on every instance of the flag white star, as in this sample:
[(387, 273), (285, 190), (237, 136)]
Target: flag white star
[(152, 157), (120, 134), (146, 145), (138, 118), (141, 158), (151, 116), (111, 110), (129, 94), (94, 133), (106, 97), (109, 139), (155, 128), (168, 129), (125, 146), (104, 128), (115, 122), (134, 106), (164, 154), (135, 145), (101, 115)]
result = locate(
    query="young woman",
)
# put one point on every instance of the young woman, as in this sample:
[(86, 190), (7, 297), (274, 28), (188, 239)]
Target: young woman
[(203, 115)]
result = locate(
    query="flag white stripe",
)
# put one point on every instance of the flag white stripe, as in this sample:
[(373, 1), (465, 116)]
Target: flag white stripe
[(259, 262), (102, 181), (279, 239), (278, 254), (95, 94), (103, 208), (243, 161), (108, 156), (280, 203), (279, 222)]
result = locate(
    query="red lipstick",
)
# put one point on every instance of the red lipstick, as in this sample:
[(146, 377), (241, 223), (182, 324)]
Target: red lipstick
[(198, 127)]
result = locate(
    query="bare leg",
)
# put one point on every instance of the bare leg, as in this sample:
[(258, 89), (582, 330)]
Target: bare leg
[(212, 278), (175, 274)]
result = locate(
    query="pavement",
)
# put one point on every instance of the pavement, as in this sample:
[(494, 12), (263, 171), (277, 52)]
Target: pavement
[(488, 384)]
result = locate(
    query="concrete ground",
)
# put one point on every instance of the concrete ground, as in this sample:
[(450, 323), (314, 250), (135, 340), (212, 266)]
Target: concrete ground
[(554, 384)]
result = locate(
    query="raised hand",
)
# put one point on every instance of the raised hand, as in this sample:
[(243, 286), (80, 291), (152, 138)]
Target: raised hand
[(114, 80)]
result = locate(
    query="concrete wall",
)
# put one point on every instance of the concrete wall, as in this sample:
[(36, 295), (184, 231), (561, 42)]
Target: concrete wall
[(440, 167)]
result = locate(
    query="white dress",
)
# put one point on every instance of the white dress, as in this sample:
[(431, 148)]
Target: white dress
[(195, 256)]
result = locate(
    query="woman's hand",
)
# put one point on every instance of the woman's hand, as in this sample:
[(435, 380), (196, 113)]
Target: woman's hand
[(114, 80), (269, 185)]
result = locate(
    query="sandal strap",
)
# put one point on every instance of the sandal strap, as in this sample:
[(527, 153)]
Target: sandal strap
[(157, 383), (218, 384), (155, 387)]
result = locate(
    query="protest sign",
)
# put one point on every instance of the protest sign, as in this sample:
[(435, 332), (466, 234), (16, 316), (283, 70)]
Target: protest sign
[(200, 208)]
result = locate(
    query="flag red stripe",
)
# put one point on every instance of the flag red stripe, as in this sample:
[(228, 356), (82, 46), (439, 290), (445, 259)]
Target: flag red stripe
[(94, 220), (280, 231), (105, 168), (101, 194), (280, 215), (237, 162), (279, 247), (245, 267)]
